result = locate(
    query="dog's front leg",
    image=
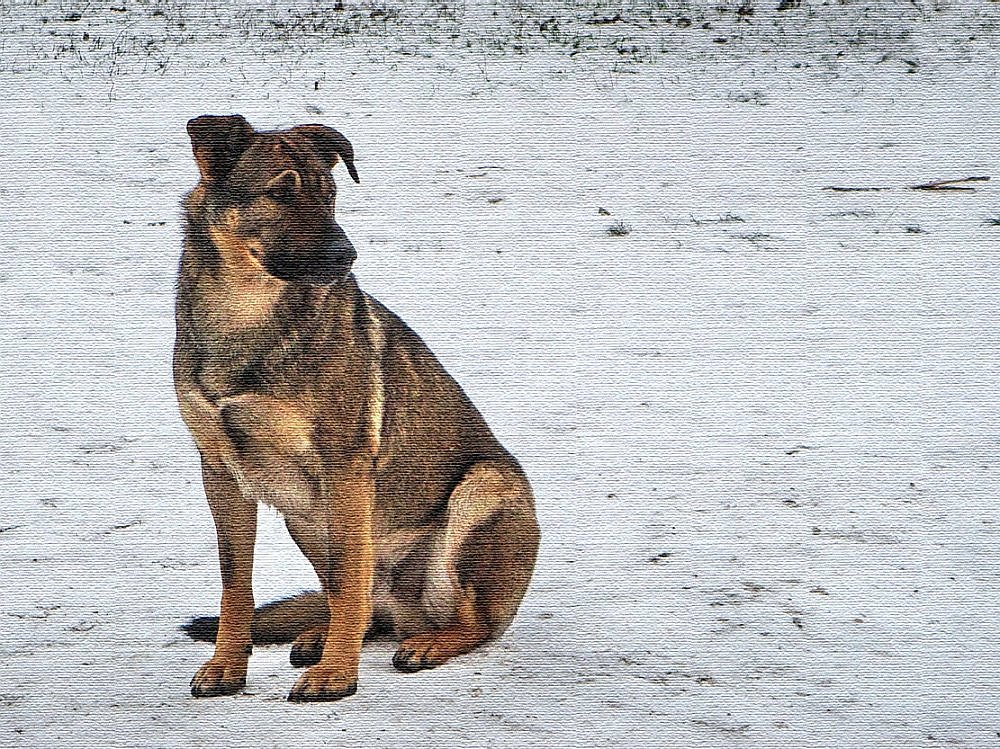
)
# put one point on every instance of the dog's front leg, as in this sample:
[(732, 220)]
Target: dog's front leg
[(236, 526), (343, 554)]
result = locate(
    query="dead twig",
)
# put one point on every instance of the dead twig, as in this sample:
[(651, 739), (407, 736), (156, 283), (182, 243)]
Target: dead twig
[(857, 189), (942, 184), (950, 184)]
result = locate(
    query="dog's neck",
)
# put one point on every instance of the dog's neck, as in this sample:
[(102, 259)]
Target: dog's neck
[(227, 300), (236, 340), (232, 301)]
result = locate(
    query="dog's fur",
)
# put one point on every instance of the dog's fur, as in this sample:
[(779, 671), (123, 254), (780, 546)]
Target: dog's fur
[(303, 392)]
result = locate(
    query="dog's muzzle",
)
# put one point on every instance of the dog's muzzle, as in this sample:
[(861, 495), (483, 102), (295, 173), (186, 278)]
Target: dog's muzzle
[(320, 266)]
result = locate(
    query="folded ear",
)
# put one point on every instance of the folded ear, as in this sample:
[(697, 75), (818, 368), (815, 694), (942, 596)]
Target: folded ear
[(285, 185), (218, 143), (330, 144)]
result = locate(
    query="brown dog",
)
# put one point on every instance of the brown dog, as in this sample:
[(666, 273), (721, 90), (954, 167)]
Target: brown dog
[(304, 392)]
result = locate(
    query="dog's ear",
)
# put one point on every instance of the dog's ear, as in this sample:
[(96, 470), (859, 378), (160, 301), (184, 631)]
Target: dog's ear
[(218, 143), (330, 144), (285, 185)]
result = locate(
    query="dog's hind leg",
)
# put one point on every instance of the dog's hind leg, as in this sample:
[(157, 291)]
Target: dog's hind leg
[(480, 566)]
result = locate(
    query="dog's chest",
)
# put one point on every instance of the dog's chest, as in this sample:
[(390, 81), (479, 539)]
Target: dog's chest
[(280, 406), (267, 444), (237, 302)]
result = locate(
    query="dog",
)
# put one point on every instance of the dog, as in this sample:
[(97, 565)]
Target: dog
[(305, 393)]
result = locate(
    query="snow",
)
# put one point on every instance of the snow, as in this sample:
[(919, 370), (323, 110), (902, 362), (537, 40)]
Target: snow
[(761, 426)]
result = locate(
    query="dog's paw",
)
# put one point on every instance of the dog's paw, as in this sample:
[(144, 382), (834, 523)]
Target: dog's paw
[(431, 649), (323, 684), (307, 648), (218, 677), (417, 653)]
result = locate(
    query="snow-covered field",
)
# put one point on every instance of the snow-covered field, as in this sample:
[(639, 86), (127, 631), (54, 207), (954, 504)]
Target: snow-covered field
[(759, 415)]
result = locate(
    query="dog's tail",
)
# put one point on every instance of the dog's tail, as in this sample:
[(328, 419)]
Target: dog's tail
[(280, 621)]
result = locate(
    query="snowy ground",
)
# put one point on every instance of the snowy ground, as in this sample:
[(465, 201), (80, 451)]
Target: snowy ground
[(761, 424)]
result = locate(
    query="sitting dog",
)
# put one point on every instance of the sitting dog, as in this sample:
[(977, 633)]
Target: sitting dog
[(305, 393)]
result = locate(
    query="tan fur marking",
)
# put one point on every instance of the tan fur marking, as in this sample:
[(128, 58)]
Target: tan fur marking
[(480, 493), (244, 294), (202, 418), (265, 210), (281, 423), (236, 523), (391, 548), (196, 196), (376, 403), (238, 253), (280, 180), (278, 452)]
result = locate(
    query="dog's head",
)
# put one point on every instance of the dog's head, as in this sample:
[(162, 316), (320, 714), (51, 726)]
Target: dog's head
[(269, 197)]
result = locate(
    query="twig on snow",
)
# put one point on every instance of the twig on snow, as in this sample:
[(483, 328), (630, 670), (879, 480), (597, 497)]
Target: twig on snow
[(942, 184), (950, 184), (857, 189)]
